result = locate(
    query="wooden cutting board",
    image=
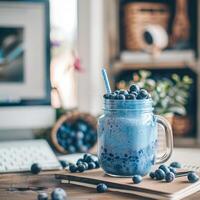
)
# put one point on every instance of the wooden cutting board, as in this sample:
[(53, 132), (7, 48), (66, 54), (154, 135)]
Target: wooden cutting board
[(178, 189)]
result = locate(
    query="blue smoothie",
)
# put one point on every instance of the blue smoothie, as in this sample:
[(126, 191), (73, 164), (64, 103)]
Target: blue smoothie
[(127, 137)]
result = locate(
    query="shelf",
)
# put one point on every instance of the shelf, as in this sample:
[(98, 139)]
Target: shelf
[(168, 59), (118, 66)]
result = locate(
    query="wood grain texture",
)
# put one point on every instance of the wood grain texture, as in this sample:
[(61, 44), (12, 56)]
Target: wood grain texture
[(26, 186)]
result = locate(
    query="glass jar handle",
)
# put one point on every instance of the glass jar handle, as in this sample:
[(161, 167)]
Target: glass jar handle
[(169, 140)]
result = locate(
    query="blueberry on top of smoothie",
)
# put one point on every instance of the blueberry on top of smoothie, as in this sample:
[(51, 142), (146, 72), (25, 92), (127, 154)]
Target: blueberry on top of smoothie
[(134, 88), (133, 93)]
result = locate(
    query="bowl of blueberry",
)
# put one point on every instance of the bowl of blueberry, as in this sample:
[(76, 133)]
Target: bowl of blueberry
[(75, 132)]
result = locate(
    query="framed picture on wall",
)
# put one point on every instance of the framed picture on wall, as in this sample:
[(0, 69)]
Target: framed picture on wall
[(24, 52)]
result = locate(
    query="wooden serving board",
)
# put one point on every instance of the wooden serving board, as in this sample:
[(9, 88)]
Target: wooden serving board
[(177, 189)]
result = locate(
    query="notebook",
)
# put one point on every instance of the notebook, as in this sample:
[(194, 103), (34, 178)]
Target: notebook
[(161, 190)]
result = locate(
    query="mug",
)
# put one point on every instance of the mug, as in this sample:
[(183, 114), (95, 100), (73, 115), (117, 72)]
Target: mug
[(128, 137)]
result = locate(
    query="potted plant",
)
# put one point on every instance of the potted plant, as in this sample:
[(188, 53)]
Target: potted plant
[(170, 96)]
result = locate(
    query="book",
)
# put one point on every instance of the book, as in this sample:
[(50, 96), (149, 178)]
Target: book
[(178, 189)]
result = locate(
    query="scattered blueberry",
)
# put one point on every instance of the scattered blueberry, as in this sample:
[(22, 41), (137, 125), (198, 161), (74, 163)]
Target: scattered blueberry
[(175, 164), (169, 177), (137, 179), (58, 194), (192, 177), (86, 165), (159, 174), (101, 187), (152, 175), (164, 168), (91, 165), (73, 168), (36, 168), (81, 167), (134, 88), (42, 196), (79, 161), (172, 169), (97, 164), (88, 158), (64, 163)]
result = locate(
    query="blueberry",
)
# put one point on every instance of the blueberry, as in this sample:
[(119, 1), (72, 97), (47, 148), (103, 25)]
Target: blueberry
[(79, 161), (175, 164), (101, 187), (81, 167), (106, 96), (73, 168), (159, 174), (112, 96), (130, 97), (85, 156), (79, 135), (83, 148), (36, 168), (121, 97), (42, 196), (64, 163), (72, 134), (117, 91), (164, 168), (88, 159), (86, 165), (192, 177), (97, 164), (169, 177), (134, 88), (71, 149), (152, 175), (58, 194), (172, 169), (124, 92), (137, 179), (81, 126), (143, 94), (91, 165)]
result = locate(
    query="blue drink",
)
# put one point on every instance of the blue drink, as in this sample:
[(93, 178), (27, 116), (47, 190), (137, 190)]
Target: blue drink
[(127, 137)]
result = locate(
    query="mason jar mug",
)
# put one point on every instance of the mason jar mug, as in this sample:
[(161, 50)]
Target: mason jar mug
[(128, 137)]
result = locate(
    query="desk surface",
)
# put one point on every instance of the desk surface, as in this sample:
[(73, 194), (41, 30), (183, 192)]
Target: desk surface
[(25, 186)]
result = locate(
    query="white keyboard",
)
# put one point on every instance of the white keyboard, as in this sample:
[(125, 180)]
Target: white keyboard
[(18, 156)]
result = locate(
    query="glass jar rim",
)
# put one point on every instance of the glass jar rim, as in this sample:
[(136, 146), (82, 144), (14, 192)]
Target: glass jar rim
[(133, 105)]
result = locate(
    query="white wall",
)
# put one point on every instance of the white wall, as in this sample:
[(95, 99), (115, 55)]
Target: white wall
[(92, 54)]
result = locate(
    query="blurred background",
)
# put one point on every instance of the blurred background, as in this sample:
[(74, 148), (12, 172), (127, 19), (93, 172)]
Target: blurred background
[(51, 58)]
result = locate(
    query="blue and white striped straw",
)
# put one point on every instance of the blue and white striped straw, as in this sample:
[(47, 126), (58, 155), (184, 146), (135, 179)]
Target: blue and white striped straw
[(105, 78)]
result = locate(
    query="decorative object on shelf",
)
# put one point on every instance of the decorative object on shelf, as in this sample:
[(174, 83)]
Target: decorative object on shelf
[(155, 39), (170, 97), (181, 25), (139, 15), (75, 132)]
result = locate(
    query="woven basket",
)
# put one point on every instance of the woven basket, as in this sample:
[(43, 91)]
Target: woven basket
[(139, 15), (70, 118)]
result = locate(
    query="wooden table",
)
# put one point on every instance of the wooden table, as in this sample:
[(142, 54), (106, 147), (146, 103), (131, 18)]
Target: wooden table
[(25, 186)]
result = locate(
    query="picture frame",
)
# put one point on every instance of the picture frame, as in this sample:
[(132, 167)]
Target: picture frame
[(24, 52)]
